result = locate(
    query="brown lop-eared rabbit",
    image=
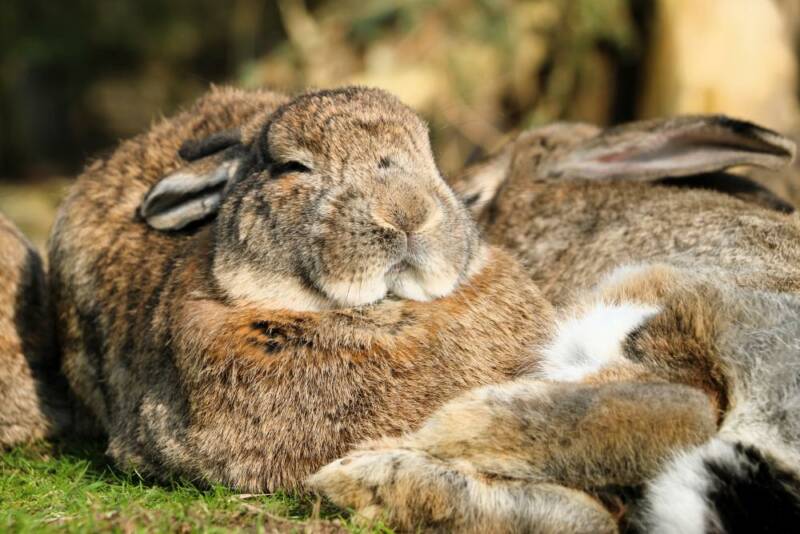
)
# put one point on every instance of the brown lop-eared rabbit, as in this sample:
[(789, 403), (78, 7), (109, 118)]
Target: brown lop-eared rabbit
[(33, 401), (676, 360), (255, 285)]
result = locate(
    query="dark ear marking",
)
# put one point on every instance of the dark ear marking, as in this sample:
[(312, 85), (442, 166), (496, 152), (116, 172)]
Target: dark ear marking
[(384, 162), (470, 200), (194, 149), (188, 195), (741, 187)]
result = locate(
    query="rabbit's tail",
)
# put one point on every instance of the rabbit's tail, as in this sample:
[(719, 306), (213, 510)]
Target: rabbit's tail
[(722, 486)]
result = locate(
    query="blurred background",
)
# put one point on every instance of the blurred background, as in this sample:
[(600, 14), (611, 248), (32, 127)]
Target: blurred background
[(76, 77)]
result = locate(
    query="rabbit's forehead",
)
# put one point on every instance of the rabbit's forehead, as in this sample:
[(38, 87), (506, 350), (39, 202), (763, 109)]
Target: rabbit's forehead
[(357, 126), (343, 129)]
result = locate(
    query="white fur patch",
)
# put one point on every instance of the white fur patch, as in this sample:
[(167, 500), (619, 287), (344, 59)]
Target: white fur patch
[(676, 500), (354, 293), (412, 284), (271, 291), (586, 343)]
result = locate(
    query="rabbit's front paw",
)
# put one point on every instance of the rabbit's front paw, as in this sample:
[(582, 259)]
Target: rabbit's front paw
[(404, 486)]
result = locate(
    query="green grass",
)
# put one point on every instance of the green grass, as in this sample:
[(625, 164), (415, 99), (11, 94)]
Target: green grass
[(70, 487)]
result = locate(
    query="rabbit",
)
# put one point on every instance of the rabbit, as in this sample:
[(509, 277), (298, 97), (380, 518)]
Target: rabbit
[(258, 283), (676, 358), (33, 402)]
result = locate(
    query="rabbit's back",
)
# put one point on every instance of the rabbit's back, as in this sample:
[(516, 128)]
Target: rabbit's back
[(763, 355), (568, 235), (115, 281), (110, 273)]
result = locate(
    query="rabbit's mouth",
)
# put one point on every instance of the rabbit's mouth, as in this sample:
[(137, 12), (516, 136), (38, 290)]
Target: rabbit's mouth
[(403, 279), (398, 267)]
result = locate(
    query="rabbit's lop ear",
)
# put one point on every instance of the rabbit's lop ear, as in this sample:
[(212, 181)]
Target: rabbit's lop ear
[(680, 146), (194, 192), (186, 196)]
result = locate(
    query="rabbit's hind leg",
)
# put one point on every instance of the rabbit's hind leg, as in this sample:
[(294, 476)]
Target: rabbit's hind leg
[(582, 435), (513, 437)]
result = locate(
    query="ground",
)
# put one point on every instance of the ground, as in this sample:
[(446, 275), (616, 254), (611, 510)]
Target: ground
[(71, 487)]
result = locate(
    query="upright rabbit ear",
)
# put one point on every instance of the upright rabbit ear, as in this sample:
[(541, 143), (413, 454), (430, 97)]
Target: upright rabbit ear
[(195, 191), (681, 146), (478, 184)]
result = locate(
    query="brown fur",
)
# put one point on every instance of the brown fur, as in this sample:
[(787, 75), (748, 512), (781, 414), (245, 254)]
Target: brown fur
[(576, 227), (416, 491), (32, 399), (188, 380)]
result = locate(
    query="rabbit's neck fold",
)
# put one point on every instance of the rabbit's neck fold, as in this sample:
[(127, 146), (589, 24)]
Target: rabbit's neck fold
[(269, 290), (274, 290)]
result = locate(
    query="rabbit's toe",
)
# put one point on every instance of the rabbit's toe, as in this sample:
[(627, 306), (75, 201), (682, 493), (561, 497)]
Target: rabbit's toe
[(397, 484), (358, 480)]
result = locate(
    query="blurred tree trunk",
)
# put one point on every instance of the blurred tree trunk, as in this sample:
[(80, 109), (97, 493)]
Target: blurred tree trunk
[(732, 56), (737, 57)]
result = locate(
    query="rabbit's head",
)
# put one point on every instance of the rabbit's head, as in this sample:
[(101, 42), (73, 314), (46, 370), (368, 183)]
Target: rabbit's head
[(334, 201)]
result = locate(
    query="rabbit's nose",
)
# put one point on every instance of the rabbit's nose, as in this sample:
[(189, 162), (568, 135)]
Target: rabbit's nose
[(408, 205), (411, 213)]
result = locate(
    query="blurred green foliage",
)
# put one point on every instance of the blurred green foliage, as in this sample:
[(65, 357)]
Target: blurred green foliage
[(75, 77)]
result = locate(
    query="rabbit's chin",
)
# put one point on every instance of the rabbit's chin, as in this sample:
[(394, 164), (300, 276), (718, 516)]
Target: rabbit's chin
[(408, 286), (354, 293), (438, 277), (406, 283), (413, 285)]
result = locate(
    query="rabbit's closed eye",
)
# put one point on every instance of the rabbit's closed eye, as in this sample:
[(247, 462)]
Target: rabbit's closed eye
[(286, 167)]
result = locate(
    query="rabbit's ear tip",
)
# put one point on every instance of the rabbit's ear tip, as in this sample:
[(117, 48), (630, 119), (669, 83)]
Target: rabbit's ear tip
[(678, 146), (774, 142)]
